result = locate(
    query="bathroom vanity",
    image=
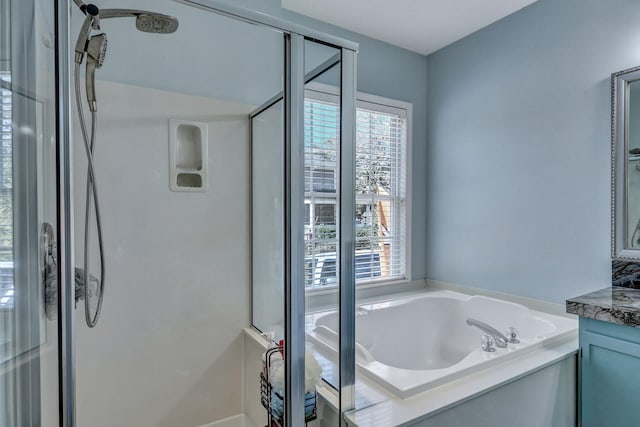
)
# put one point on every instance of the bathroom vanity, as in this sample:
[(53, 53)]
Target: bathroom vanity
[(609, 369)]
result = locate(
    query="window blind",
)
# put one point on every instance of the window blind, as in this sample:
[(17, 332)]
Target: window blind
[(381, 141), (321, 133), (380, 217), (6, 194)]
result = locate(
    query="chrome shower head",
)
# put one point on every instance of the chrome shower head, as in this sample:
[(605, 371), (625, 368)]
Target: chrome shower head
[(156, 23), (149, 22), (96, 47)]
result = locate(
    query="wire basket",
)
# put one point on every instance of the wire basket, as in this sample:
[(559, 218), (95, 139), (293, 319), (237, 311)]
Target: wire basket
[(272, 398)]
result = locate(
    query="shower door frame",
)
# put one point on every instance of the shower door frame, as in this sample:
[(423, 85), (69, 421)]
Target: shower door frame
[(64, 197), (294, 80)]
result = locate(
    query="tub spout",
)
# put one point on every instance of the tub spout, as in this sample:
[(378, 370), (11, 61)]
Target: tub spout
[(501, 340)]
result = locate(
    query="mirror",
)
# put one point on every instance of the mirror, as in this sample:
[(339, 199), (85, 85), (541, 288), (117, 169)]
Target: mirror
[(625, 149)]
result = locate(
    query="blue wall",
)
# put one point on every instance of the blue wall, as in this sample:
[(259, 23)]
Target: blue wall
[(518, 168)]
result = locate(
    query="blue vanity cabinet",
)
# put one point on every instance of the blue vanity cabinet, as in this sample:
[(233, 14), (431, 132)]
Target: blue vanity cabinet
[(610, 374)]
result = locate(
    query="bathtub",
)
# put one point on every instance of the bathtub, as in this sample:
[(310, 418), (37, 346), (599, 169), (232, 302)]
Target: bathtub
[(413, 344)]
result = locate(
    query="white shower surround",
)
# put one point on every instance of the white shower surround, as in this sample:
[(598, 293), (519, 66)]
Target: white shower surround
[(177, 287)]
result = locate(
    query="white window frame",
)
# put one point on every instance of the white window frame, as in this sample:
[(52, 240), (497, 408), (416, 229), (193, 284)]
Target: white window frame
[(328, 93)]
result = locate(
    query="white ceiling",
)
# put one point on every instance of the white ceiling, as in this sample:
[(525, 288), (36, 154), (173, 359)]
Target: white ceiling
[(422, 26)]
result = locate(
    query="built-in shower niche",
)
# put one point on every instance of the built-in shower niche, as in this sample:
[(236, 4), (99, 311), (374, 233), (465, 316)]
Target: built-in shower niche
[(188, 154)]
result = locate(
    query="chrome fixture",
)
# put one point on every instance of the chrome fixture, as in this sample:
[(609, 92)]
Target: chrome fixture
[(96, 51), (512, 335), (488, 343), (96, 48), (500, 340)]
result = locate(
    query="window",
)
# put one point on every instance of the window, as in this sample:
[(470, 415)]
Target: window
[(6, 194), (321, 132), (380, 186), (381, 176)]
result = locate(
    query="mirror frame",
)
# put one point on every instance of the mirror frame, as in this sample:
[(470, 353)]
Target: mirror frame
[(619, 161)]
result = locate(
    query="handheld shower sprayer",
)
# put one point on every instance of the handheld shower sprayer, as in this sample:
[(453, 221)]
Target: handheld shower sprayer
[(95, 48), (96, 51)]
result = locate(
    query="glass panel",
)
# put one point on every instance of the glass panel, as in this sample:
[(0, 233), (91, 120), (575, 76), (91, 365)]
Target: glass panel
[(268, 220), (322, 257), (169, 348), (28, 325), (321, 155), (321, 143)]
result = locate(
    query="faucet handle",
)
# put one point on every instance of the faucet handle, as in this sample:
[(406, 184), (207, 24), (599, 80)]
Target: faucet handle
[(512, 335), (488, 343)]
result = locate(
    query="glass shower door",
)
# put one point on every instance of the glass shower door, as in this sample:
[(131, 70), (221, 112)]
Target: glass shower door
[(302, 232), (28, 330)]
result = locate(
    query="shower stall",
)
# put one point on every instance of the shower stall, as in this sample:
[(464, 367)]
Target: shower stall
[(154, 213)]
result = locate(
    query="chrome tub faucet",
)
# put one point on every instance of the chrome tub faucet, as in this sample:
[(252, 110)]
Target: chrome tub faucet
[(500, 340)]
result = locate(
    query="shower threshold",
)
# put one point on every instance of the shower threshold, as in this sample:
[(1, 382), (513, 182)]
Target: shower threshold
[(240, 420)]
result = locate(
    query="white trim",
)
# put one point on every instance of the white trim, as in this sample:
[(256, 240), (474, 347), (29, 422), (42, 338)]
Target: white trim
[(386, 105), (396, 106), (322, 93)]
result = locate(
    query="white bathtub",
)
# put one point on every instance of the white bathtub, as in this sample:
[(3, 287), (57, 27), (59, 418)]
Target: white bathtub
[(413, 344)]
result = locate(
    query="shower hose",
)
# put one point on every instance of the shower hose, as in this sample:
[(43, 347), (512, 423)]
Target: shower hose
[(91, 194)]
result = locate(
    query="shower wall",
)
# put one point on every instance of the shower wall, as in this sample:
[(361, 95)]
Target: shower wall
[(168, 348)]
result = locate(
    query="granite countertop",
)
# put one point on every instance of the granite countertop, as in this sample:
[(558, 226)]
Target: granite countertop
[(616, 304)]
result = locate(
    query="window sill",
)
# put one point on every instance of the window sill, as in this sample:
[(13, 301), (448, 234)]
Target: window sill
[(326, 299), (364, 285)]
